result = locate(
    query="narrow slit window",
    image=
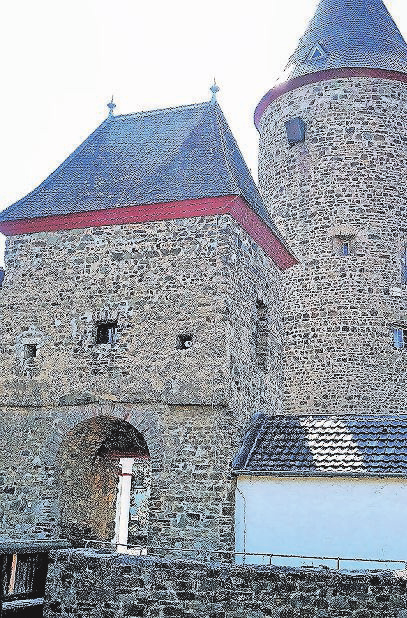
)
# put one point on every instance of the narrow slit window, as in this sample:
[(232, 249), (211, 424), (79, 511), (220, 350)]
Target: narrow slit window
[(30, 350), (400, 338), (262, 335), (106, 332), (404, 265), (343, 245)]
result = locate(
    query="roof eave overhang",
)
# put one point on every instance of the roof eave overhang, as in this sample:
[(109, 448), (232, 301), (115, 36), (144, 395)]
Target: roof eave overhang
[(234, 205), (318, 474), (320, 76)]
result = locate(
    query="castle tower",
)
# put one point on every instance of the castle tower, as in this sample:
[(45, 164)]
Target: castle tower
[(139, 323), (333, 163)]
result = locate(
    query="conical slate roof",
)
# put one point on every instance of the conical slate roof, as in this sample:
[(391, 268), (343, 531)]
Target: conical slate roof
[(167, 155), (349, 33)]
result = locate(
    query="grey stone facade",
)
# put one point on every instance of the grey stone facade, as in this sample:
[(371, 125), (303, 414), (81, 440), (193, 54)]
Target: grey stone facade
[(345, 183), (201, 277)]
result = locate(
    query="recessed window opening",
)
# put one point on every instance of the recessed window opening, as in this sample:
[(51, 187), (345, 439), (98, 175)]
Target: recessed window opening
[(106, 332), (404, 265), (343, 245), (30, 350), (184, 342), (262, 335), (295, 131), (400, 338)]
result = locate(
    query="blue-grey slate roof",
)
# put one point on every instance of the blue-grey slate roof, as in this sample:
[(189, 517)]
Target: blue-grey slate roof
[(350, 33), (158, 156), (325, 445)]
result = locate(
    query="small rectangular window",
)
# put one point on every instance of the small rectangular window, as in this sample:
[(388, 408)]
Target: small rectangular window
[(295, 130), (400, 338), (106, 332), (343, 245), (30, 350)]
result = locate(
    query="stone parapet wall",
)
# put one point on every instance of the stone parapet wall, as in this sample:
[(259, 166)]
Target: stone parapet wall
[(85, 584), (345, 182)]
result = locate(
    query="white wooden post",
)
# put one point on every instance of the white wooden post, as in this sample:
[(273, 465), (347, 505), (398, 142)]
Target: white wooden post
[(123, 504)]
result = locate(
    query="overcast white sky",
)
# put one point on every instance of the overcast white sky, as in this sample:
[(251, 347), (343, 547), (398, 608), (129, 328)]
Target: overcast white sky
[(62, 60)]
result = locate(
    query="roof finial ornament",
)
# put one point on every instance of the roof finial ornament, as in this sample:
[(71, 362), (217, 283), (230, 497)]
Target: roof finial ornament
[(111, 107), (214, 89)]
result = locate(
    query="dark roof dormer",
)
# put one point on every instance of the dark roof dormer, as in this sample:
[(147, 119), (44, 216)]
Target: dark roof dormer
[(345, 38), (349, 33)]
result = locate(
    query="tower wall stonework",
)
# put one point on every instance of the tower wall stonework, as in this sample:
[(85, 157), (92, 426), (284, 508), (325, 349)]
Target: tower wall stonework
[(201, 277), (345, 183), (158, 280)]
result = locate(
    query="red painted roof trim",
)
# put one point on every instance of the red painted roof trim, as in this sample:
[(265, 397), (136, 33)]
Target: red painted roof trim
[(321, 76), (233, 205)]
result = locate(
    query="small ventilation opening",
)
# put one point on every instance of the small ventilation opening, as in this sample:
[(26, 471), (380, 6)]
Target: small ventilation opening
[(30, 350), (106, 332), (317, 53), (184, 342)]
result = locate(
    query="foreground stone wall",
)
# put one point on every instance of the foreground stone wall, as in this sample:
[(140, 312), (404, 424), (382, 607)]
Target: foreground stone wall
[(86, 585), (346, 182)]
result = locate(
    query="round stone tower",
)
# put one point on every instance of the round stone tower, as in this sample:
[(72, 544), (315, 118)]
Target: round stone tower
[(333, 170)]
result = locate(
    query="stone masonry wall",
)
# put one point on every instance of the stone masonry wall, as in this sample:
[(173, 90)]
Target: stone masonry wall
[(192, 493), (199, 277), (347, 182), (87, 585), (159, 280)]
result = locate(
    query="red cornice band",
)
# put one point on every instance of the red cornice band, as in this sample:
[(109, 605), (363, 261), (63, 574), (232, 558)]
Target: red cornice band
[(322, 76), (233, 205)]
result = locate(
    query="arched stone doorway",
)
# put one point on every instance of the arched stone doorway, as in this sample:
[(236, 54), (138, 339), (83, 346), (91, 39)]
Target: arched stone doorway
[(105, 477)]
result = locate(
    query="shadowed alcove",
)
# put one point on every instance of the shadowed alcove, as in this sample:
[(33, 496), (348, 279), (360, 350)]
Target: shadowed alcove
[(104, 474)]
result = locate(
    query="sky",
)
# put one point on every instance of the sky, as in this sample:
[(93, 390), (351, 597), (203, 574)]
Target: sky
[(61, 61)]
